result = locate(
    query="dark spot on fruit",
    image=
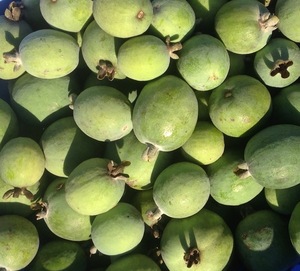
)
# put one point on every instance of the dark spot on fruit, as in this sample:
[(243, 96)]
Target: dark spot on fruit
[(227, 94), (281, 68)]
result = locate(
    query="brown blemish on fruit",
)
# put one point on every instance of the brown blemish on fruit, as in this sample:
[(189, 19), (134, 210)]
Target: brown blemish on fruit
[(140, 15), (227, 94), (281, 67)]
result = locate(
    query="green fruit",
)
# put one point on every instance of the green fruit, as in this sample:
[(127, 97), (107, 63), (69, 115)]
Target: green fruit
[(143, 58), (162, 127), (38, 101), (203, 62), (135, 16), (142, 174), (65, 146), (206, 144), (225, 187), (200, 242), (22, 162), (62, 255), (70, 16), (58, 51), (11, 34), (272, 157), (174, 18), (9, 124), (118, 230), (289, 22), (283, 201), (277, 63), (59, 217), (99, 52), (239, 105), (260, 236), (19, 241), (181, 190), (103, 113), (94, 186), (134, 262), (293, 227), (244, 26)]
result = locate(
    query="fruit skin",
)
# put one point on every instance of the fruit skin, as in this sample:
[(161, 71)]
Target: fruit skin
[(143, 58), (134, 16), (118, 230), (19, 241), (206, 231), (181, 190), (293, 227), (260, 236), (58, 50), (165, 127), (272, 156), (203, 62), (103, 113), (244, 26), (239, 105), (266, 59), (22, 162), (69, 16)]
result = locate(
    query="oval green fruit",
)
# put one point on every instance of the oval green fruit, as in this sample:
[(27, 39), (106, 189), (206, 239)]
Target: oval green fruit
[(293, 227)]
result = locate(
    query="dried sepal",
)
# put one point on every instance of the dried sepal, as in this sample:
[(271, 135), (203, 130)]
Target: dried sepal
[(191, 257), (281, 67), (117, 170), (105, 69), (173, 47)]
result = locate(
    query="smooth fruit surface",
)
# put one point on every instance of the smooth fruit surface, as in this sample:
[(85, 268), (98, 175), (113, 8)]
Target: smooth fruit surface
[(294, 232)]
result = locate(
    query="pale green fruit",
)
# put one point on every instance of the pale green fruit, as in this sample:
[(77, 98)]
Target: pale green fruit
[(103, 113), (143, 58), (49, 53), (19, 241), (206, 145), (244, 26), (69, 15), (203, 62), (22, 162), (123, 18), (293, 227), (174, 18), (118, 230)]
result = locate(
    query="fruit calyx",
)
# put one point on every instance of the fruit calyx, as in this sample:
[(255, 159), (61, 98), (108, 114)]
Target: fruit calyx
[(173, 47), (268, 22), (17, 191), (105, 69), (42, 207), (280, 67), (13, 57), (150, 152), (191, 256), (14, 11), (242, 171), (116, 171)]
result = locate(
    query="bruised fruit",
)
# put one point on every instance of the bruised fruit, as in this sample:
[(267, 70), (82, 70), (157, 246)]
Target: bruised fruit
[(118, 230), (62, 255), (244, 26), (69, 16), (203, 62), (22, 162), (165, 114), (58, 51), (103, 113), (123, 18), (277, 64), (293, 227), (199, 242), (19, 241), (239, 105), (95, 186)]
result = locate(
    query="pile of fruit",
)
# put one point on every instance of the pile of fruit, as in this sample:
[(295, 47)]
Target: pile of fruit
[(145, 135)]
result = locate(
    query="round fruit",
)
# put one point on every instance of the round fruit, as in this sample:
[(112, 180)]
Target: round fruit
[(19, 241), (118, 230), (293, 227)]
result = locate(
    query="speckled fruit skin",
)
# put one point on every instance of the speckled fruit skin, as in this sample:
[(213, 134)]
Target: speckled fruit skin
[(143, 58), (294, 227), (103, 113), (272, 156), (19, 241), (203, 62), (239, 105), (165, 127), (134, 16), (22, 162), (70, 16), (58, 50), (119, 230), (206, 231)]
